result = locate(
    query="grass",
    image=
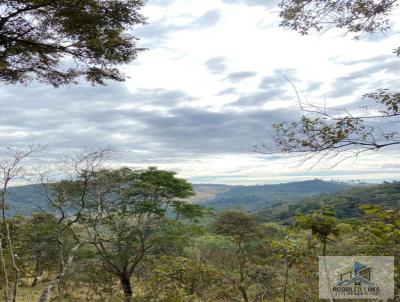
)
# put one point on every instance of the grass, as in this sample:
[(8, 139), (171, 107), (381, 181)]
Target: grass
[(27, 293)]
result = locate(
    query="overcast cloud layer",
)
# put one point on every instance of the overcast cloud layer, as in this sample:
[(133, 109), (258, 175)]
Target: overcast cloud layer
[(214, 79)]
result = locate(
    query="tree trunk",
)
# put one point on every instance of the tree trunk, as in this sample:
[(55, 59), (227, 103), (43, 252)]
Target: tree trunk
[(242, 267), (4, 269), (47, 292), (126, 287), (8, 237), (243, 291), (35, 280), (286, 282), (38, 273)]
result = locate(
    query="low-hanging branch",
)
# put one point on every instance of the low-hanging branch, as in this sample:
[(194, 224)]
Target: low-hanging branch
[(327, 132)]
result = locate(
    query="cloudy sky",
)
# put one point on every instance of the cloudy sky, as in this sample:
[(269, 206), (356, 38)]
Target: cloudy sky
[(208, 88)]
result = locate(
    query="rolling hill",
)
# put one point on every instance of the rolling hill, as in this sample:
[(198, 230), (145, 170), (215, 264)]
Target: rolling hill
[(25, 200), (259, 197), (347, 203)]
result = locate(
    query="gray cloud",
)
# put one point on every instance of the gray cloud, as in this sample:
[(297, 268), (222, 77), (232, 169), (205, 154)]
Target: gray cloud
[(355, 81), (216, 65), (162, 3), (271, 87), (98, 116), (227, 91), (154, 30), (209, 19), (314, 85), (344, 87), (161, 97), (376, 59), (278, 79), (266, 3), (236, 77), (201, 131), (156, 33), (260, 98)]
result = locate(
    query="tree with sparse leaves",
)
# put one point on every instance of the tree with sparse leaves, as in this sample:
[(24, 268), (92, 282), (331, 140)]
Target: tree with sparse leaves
[(355, 16), (57, 42), (326, 132), (241, 228)]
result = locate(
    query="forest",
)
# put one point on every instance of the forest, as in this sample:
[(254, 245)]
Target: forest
[(133, 235)]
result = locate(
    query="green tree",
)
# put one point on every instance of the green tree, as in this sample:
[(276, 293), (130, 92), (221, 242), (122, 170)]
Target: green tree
[(290, 251), (383, 227), (322, 224), (129, 212), (178, 277), (241, 229), (39, 244), (59, 41)]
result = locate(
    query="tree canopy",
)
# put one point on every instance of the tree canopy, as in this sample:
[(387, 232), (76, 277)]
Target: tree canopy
[(56, 42), (127, 216), (356, 16)]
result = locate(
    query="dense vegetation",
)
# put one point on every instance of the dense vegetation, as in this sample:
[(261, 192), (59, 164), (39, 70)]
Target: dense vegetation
[(130, 235), (347, 204), (29, 199), (267, 196)]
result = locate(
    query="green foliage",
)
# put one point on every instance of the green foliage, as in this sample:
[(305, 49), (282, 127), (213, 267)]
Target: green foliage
[(322, 224), (128, 215), (237, 225), (383, 225), (59, 41), (255, 198), (39, 243), (347, 204), (183, 279), (140, 235), (319, 134), (356, 16), (25, 200)]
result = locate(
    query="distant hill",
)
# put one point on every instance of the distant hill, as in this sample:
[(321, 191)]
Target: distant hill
[(264, 196), (346, 203), (28, 199), (207, 192), (25, 200)]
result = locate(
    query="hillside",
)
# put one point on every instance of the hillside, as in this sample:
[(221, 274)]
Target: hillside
[(208, 192), (267, 196), (346, 203), (28, 199), (25, 200)]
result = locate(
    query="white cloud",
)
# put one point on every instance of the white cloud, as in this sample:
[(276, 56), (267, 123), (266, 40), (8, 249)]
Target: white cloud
[(211, 83)]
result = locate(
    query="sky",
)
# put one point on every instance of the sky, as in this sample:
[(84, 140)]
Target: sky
[(213, 80)]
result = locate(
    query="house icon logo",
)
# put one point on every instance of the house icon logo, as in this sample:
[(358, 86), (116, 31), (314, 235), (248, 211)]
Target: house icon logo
[(358, 275), (356, 280)]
